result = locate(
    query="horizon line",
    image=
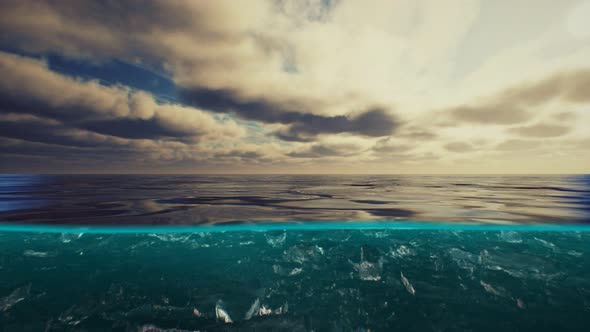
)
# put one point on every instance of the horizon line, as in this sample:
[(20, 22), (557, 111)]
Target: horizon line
[(417, 225), (278, 173)]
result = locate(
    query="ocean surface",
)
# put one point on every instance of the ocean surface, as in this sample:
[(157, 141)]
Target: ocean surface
[(294, 253), (217, 200)]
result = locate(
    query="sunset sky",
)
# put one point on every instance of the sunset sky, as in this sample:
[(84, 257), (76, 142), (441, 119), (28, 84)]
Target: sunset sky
[(281, 86)]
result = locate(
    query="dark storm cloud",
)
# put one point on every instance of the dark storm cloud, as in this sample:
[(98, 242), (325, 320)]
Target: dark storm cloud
[(47, 149), (26, 156), (303, 126), (135, 129), (37, 130), (225, 101), (513, 105), (80, 117), (201, 45), (372, 123), (294, 137), (44, 114), (30, 88)]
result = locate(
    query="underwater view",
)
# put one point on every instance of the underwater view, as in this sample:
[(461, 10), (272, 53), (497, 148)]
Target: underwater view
[(294, 253)]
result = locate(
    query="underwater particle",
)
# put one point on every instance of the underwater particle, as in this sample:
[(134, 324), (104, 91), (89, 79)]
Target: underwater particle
[(68, 237), (48, 325), (148, 328), (276, 240), (488, 288), (15, 297), (254, 308), (546, 244), (510, 237), (33, 253), (172, 237), (264, 311), (277, 269), (295, 271), (302, 253), (407, 284), (282, 309), (197, 313), (401, 251), (520, 304), (464, 260), (221, 314), (69, 316), (366, 270), (575, 253), (154, 328), (319, 249)]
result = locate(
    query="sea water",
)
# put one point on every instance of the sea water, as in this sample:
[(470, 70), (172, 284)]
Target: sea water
[(198, 253)]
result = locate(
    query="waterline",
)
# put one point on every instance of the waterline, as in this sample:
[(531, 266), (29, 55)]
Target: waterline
[(299, 226)]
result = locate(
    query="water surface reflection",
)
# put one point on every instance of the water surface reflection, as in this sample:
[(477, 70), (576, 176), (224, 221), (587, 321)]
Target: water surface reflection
[(198, 199)]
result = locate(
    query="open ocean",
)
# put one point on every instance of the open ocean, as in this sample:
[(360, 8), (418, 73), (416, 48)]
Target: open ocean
[(294, 253)]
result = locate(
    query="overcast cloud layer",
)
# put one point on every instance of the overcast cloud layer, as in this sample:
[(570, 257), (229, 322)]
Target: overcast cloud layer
[(298, 86)]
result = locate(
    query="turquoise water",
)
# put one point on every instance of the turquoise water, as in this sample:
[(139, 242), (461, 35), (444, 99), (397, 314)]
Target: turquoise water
[(294, 253), (296, 280)]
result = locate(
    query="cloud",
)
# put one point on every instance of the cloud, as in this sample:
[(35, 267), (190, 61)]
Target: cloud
[(224, 57), (283, 81), (303, 123), (564, 116), (417, 134), (116, 111), (570, 86), (541, 130), (327, 149), (69, 118), (389, 145), (36, 129), (124, 29), (47, 152), (517, 145), (459, 147), (241, 154), (372, 123), (135, 128), (514, 105), (489, 114)]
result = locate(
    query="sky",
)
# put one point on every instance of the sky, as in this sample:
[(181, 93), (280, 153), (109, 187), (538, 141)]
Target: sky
[(284, 86)]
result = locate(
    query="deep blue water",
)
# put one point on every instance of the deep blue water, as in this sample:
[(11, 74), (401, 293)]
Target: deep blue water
[(294, 253)]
